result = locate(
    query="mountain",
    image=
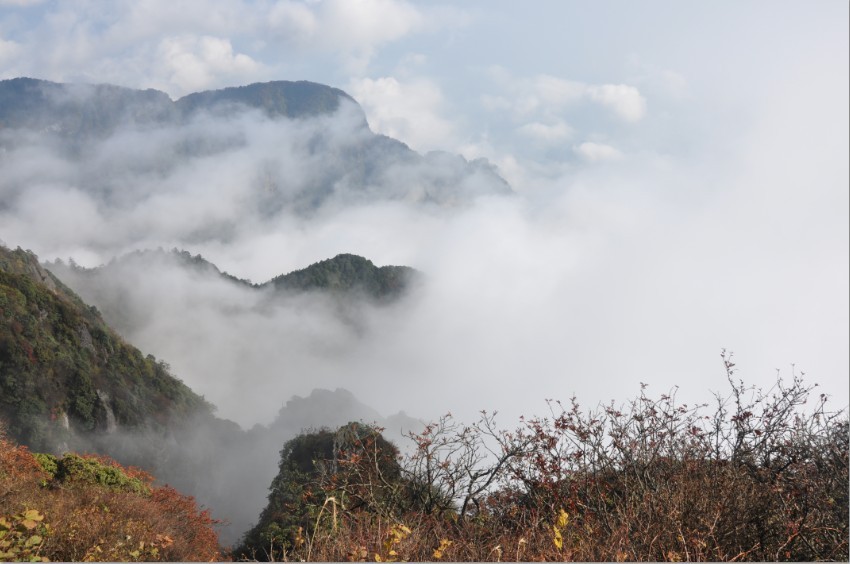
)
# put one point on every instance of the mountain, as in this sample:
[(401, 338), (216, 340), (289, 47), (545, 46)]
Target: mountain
[(69, 382), (281, 98), (326, 408), (124, 289), (240, 489), (82, 111), (283, 147), (348, 273), (344, 466), (96, 110), (65, 374)]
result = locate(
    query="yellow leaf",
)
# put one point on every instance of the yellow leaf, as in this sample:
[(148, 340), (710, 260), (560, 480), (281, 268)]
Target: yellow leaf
[(378, 557), (33, 540), (558, 539), (563, 519), (444, 544), (33, 515)]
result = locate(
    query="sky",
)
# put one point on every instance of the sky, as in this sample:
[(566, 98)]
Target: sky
[(681, 168)]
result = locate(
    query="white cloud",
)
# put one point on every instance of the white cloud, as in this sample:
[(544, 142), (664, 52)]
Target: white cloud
[(409, 111), (550, 96), (595, 152), (294, 20), (353, 29), (180, 46), (546, 133), (495, 103), (196, 63), (8, 50), (141, 21), (558, 92), (625, 101), (364, 24)]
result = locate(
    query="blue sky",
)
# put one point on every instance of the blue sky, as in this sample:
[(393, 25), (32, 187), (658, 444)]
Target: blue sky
[(682, 165)]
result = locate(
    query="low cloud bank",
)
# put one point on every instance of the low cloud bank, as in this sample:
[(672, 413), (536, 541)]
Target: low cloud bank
[(637, 269)]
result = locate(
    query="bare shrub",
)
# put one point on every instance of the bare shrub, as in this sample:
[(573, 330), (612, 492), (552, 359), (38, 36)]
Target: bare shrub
[(752, 475)]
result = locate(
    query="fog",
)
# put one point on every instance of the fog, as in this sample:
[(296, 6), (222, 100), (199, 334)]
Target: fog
[(584, 282), (640, 270)]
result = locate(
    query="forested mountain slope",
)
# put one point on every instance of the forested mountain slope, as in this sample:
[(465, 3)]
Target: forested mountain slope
[(64, 372)]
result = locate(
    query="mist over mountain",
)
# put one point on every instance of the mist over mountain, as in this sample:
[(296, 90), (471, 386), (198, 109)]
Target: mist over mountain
[(131, 158), (539, 228), (69, 382), (246, 346), (91, 111), (93, 172)]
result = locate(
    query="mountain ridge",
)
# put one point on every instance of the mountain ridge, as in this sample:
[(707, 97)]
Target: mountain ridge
[(342, 273), (97, 109), (68, 382), (309, 144)]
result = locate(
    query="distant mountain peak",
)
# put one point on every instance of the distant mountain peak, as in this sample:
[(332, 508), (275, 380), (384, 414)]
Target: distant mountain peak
[(96, 110), (279, 98), (347, 272), (294, 147)]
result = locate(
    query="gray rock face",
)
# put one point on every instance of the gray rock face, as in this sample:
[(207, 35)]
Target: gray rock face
[(110, 423)]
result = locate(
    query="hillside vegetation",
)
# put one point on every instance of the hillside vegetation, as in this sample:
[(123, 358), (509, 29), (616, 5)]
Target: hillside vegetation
[(349, 273), (90, 508), (65, 373), (756, 478)]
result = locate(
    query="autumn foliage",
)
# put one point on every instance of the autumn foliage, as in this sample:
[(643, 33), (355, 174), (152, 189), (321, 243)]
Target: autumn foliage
[(88, 508), (752, 476)]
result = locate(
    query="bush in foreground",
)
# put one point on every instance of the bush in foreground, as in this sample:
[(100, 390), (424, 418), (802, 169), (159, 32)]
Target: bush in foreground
[(754, 476), (85, 508)]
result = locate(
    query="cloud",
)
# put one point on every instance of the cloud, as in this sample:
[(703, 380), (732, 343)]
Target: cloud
[(294, 21), (409, 110), (546, 98), (557, 92), (595, 152), (551, 96), (190, 64), (586, 281), (625, 101), (180, 47), (547, 133), (353, 29), (9, 50)]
